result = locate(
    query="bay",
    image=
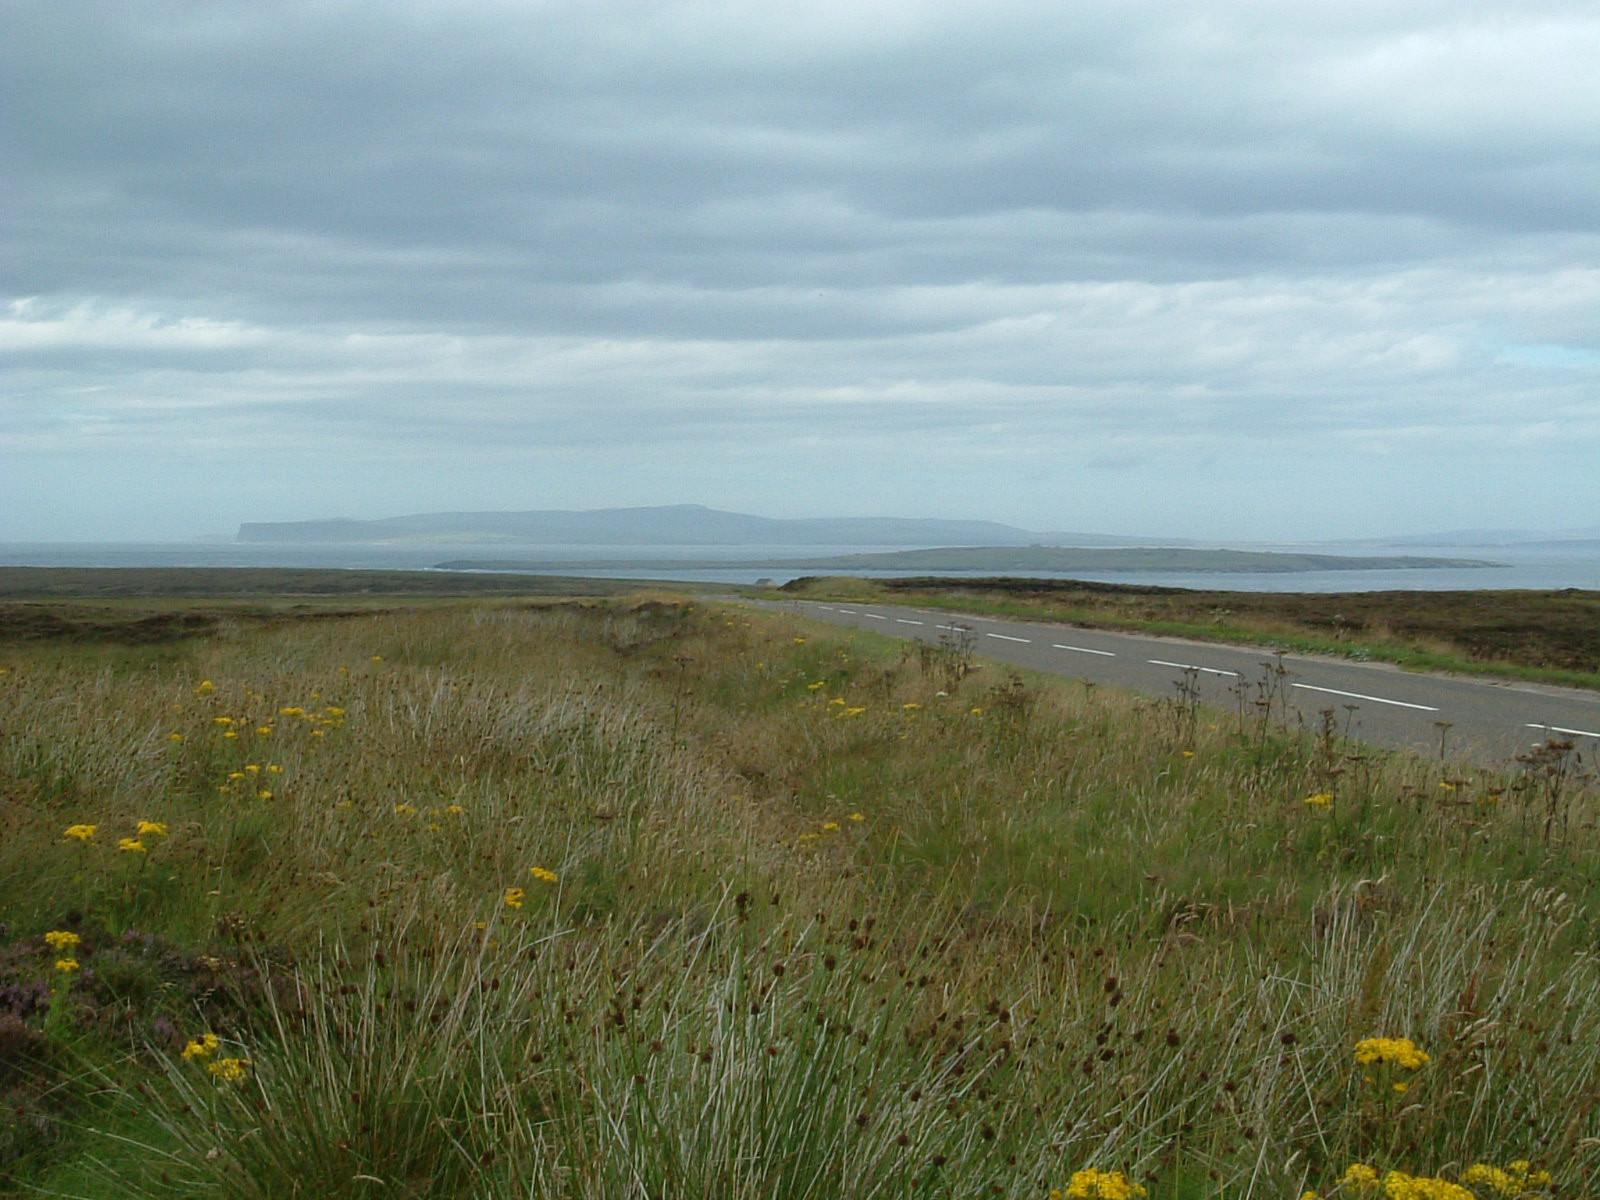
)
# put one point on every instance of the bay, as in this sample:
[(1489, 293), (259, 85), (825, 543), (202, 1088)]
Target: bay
[(1543, 565)]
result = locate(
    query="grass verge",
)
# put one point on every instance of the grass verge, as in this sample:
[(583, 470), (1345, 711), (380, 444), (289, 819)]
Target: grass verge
[(1546, 637), (648, 898)]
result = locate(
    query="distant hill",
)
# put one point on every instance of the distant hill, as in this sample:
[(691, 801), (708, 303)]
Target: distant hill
[(671, 525)]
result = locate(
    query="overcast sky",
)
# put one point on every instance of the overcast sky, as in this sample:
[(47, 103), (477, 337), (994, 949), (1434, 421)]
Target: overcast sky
[(1277, 269)]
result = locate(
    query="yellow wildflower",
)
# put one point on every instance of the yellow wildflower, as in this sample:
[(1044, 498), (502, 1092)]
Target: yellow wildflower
[(223, 721), (203, 1046), (1359, 1175), (404, 810), (1514, 1180), (66, 965), (1090, 1184), (1320, 800), (205, 687), (911, 706), (817, 686), (455, 810), (977, 711), (1402, 1052), (514, 896), (82, 833), (1397, 1185), (131, 846), (830, 826), (62, 939), (174, 737), (858, 816), (152, 829), (230, 1070), (543, 874)]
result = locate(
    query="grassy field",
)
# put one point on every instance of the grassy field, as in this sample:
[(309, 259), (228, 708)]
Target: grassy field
[(649, 897), (1551, 636)]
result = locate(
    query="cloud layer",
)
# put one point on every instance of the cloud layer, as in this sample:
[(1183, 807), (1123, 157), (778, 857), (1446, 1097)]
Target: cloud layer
[(1235, 270)]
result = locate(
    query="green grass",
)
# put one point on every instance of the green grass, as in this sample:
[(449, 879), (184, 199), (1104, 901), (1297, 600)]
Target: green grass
[(829, 917)]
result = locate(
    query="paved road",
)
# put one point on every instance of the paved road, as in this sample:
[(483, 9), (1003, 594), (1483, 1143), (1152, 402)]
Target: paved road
[(1474, 719)]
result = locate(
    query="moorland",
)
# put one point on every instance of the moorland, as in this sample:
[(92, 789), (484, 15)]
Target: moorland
[(306, 891)]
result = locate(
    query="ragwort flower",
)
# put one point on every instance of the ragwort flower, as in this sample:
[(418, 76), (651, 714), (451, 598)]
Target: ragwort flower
[(230, 1070), (203, 1046), (1402, 1052), (1090, 1184)]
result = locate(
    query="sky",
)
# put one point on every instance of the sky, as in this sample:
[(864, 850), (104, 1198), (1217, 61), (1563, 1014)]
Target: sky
[(1225, 269)]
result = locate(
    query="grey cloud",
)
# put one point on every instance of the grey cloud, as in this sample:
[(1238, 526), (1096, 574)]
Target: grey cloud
[(1128, 236)]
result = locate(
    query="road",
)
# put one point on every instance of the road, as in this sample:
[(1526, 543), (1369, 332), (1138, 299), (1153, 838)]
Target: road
[(1464, 718)]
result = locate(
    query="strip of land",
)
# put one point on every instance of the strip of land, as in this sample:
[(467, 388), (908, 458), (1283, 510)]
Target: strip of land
[(1012, 558)]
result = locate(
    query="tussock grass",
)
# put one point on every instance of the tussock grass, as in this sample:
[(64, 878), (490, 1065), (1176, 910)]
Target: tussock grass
[(656, 899)]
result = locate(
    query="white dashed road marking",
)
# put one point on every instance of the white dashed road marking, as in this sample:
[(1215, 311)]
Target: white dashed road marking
[(1083, 650), (1558, 729), (1359, 696), (1189, 667), (1006, 638), (903, 621)]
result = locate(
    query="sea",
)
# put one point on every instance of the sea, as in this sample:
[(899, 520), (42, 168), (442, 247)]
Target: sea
[(1538, 565)]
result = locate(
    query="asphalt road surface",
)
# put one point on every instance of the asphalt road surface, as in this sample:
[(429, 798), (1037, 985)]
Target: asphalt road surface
[(1434, 715)]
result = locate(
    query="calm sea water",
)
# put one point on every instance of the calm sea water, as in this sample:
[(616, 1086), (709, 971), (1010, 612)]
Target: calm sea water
[(1544, 565)]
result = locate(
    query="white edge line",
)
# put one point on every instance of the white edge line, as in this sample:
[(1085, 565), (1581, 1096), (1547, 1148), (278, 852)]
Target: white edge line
[(1358, 696), (1558, 729)]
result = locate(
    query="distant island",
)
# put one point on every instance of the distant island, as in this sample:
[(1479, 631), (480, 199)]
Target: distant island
[(667, 525), (948, 545), (992, 559)]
